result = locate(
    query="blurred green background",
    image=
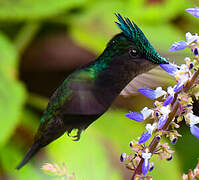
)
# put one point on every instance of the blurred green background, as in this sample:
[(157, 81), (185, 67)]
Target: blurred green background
[(41, 42)]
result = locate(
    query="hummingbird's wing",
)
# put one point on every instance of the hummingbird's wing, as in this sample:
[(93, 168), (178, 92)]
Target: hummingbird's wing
[(74, 97), (152, 79), (83, 100)]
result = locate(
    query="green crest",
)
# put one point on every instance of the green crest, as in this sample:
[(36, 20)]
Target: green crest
[(134, 33)]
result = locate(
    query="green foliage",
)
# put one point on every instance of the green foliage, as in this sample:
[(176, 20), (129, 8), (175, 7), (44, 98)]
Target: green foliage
[(31, 10), (12, 92)]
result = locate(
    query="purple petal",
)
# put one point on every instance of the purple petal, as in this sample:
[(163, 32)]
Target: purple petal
[(145, 168), (178, 87), (135, 116), (193, 11), (145, 137), (195, 131), (148, 93), (162, 121), (180, 45), (169, 68), (168, 100)]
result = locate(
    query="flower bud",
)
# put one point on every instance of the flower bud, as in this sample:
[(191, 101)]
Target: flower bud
[(131, 144), (151, 167), (174, 140), (190, 174), (195, 51), (189, 105), (123, 157), (184, 177), (157, 114), (158, 138), (169, 158), (190, 65), (49, 168)]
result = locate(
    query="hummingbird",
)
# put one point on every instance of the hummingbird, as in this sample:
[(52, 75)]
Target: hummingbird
[(89, 91)]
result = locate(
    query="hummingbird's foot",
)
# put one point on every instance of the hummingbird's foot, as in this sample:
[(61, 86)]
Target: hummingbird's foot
[(75, 137)]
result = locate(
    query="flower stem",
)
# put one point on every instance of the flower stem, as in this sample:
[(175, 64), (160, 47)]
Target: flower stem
[(175, 105)]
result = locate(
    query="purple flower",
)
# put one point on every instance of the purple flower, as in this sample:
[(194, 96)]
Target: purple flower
[(169, 68), (145, 137), (162, 121), (168, 100), (148, 93), (152, 94), (145, 166), (135, 116), (193, 11), (145, 113), (178, 86), (180, 45), (195, 131)]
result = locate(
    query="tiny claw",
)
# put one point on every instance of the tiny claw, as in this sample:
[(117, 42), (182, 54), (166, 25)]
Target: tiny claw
[(74, 137), (77, 136)]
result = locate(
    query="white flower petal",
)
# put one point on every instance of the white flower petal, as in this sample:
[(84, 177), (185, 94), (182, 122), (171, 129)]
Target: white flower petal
[(184, 78), (150, 128), (159, 92), (193, 119), (165, 110), (146, 112), (146, 155), (190, 38), (170, 91), (184, 68)]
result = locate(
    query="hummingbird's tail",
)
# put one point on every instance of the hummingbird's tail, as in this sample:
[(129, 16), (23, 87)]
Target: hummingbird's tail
[(31, 152)]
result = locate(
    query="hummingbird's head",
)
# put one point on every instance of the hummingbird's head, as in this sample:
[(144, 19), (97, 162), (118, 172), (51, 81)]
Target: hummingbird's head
[(133, 45)]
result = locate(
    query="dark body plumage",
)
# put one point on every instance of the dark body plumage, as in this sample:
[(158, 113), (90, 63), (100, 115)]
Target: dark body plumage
[(89, 91)]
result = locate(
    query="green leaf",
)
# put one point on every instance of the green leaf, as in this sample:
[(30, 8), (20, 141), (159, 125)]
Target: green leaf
[(12, 92), (30, 9), (93, 28), (158, 12), (9, 57)]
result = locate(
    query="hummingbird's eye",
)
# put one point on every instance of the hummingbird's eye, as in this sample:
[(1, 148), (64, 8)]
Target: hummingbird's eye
[(133, 52)]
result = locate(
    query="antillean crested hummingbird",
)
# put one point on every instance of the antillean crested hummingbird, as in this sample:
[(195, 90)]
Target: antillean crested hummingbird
[(89, 91)]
